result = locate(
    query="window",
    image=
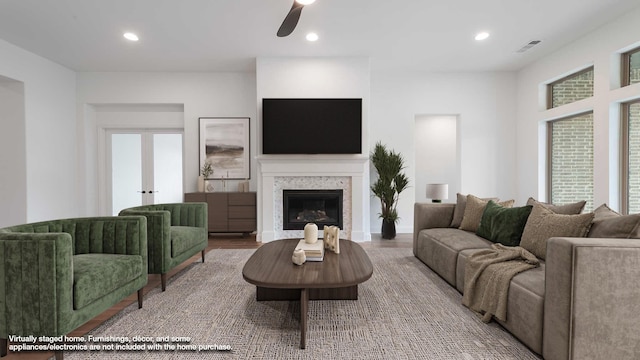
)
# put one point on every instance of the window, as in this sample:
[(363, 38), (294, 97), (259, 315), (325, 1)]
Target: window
[(572, 88), (631, 67), (631, 158), (570, 160)]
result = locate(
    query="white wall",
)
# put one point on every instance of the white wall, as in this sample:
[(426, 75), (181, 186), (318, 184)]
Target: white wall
[(436, 154), (49, 146), (13, 154), (602, 49), (201, 95), (485, 105)]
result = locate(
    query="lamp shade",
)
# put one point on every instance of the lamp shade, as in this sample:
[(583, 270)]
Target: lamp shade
[(437, 192)]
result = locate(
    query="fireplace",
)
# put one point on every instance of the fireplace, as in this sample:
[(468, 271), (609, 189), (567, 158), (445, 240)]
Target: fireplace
[(322, 207)]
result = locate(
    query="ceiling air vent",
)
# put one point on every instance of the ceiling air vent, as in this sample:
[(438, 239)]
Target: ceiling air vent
[(529, 45)]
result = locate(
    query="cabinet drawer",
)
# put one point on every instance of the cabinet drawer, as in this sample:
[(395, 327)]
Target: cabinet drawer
[(217, 226), (248, 198), (242, 212), (242, 225)]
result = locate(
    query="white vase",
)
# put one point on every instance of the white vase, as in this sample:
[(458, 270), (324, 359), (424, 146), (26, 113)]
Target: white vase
[(208, 186), (201, 183), (298, 257), (310, 233)]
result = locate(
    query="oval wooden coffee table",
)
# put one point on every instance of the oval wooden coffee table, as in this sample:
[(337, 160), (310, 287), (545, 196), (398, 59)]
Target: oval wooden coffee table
[(336, 278)]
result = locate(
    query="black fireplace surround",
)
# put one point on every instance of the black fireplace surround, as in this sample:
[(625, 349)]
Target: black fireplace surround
[(322, 207)]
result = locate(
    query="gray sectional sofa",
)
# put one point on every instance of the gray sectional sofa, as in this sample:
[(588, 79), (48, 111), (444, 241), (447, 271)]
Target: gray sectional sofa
[(582, 302)]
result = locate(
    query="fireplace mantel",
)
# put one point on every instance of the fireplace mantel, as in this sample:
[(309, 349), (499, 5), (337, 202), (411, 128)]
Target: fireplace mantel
[(313, 171)]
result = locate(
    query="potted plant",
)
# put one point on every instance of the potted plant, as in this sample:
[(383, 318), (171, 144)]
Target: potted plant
[(205, 172), (390, 183)]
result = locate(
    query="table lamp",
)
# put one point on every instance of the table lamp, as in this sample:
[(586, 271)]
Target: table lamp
[(437, 192)]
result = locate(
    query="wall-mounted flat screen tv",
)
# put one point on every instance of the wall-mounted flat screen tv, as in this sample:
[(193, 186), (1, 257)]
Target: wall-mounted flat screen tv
[(312, 126)]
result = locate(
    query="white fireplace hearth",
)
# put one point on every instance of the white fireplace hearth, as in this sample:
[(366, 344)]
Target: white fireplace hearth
[(313, 172)]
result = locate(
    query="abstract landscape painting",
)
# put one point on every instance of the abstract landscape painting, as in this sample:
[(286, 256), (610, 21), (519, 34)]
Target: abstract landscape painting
[(224, 142)]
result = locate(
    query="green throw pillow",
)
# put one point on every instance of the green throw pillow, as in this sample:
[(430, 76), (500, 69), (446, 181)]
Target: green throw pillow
[(473, 212), (502, 224)]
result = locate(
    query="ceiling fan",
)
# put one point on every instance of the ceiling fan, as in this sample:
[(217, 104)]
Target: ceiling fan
[(291, 20)]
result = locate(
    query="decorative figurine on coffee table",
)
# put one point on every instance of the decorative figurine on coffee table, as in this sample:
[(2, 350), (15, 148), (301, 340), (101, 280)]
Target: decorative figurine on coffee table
[(298, 257), (332, 238), (310, 233)]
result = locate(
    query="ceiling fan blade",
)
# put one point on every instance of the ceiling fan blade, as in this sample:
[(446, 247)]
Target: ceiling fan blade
[(291, 20)]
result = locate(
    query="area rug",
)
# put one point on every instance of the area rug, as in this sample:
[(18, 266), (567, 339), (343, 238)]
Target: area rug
[(405, 311)]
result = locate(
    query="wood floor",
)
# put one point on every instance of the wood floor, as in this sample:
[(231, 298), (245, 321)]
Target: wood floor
[(223, 241)]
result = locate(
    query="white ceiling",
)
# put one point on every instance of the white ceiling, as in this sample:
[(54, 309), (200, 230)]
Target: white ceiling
[(228, 35)]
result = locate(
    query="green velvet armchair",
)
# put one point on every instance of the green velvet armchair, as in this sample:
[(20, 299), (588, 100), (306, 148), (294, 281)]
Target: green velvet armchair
[(175, 232), (57, 275)]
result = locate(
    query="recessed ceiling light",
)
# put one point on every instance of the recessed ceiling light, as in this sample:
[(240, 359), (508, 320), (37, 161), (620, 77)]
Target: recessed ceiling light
[(130, 36), (482, 36), (312, 36), (305, 2)]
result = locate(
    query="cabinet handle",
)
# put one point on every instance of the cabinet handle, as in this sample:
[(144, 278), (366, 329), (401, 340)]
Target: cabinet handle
[(143, 192)]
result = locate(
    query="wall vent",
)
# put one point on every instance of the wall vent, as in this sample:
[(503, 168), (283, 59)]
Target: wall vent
[(529, 45)]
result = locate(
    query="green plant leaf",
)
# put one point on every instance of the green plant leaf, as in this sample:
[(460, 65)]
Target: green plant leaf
[(391, 180)]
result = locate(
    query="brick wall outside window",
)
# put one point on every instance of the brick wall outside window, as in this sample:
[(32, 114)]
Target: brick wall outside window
[(572, 160), (634, 76), (572, 89), (634, 158), (634, 68)]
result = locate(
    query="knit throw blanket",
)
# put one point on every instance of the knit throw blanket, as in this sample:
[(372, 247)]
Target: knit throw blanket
[(487, 277)]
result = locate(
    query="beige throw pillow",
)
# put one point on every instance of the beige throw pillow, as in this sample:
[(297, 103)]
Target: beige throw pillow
[(458, 211), (544, 224), (473, 212)]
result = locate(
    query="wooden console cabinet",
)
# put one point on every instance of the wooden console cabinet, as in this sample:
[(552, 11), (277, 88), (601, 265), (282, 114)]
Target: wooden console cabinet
[(230, 212)]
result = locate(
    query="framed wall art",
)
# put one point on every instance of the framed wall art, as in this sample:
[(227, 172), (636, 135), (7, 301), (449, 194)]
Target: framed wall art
[(224, 142)]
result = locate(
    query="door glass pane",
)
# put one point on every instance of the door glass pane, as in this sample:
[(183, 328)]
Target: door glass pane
[(167, 168), (126, 171)]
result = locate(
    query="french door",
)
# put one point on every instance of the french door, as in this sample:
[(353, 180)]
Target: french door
[(143, 167)]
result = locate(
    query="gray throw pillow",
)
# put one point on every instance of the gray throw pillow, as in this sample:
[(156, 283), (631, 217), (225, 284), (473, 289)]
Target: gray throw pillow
[(473, 212), (566, 209), (458, 211), (544, 224), (610, 224)]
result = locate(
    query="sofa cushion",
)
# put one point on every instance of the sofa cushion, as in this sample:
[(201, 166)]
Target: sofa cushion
[(503, 225), (96, 275), (184, 238), (544, 224), (531, 280), (610, 224), (525, 308), (439, 248), (473, 212), (566, 209), (525, 305)]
